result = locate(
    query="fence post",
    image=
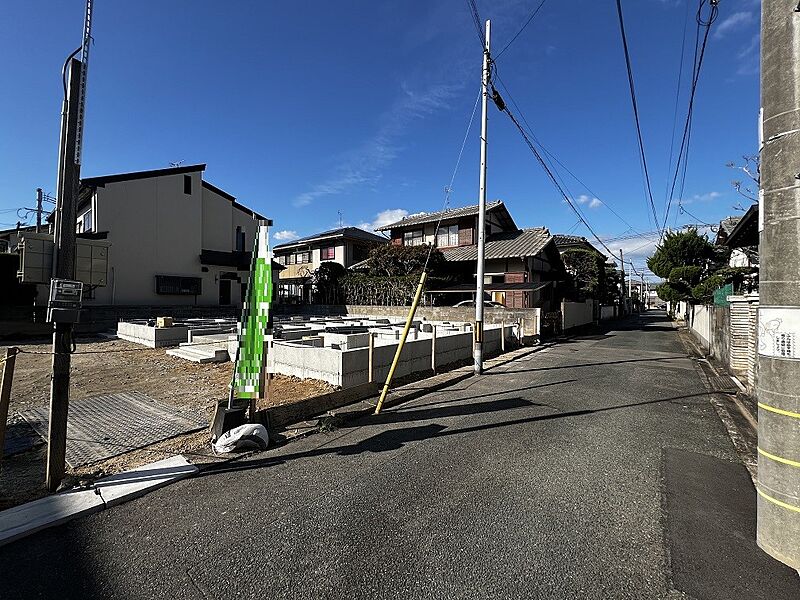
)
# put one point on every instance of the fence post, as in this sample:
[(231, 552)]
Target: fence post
[(521, 331), (433, 349), (5, 392), (503, 336), (370, 377)]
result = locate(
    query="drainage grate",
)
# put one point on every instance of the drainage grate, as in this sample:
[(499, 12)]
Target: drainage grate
[(722, 383), (111, 424)]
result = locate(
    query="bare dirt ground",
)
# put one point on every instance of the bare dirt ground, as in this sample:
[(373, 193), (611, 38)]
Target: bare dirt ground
[(106, 366)]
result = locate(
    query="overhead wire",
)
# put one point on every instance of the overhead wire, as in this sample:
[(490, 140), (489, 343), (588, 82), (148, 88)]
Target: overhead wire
[(642, 155), (552, 156), (516, 35), (699, 54)]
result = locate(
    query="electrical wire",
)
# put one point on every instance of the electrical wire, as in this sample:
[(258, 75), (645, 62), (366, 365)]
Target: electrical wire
[(516, 35), (677, 98), (476, 20), (699, 54), (642, 155), (448, 190)]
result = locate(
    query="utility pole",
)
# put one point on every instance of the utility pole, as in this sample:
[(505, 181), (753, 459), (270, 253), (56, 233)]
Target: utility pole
[(778, 385), (478, 352), (38, 210), (64, 252)]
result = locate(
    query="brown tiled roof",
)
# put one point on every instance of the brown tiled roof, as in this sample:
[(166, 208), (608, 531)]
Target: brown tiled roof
[(453, 213), (509, 244)]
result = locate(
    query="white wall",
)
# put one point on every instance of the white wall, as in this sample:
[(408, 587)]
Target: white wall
[(156, 229), (700, 322), (576, 314)]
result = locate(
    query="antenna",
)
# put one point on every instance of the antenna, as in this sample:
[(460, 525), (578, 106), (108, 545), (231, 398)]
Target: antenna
[(340, 219), (176, 163)]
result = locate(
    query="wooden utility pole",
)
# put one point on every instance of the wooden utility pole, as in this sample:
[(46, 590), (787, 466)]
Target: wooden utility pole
[(778, 385), (64, 268), (478, 346)]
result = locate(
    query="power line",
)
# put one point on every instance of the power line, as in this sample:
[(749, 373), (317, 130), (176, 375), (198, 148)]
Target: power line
[(476, 20), (699, 54), (552, 156), (533, 14), (677, 98), (636, 112)]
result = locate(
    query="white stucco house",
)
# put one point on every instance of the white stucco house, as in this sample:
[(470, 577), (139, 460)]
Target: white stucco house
[(175, 239)]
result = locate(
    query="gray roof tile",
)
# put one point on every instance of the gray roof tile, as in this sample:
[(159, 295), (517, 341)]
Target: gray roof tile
[(509, 244), (464, 211)]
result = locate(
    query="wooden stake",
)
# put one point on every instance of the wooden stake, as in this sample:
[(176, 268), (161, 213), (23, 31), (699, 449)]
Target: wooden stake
[(5, 393)]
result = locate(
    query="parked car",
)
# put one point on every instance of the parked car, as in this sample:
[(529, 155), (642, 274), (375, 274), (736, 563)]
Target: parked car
[(486, 303)]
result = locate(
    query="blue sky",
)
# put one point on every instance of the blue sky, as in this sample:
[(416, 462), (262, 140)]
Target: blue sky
[(303, 110)]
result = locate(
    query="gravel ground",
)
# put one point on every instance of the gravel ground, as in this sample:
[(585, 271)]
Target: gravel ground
[(103, 366)]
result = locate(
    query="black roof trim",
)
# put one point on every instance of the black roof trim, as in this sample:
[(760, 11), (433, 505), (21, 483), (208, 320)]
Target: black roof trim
[(104, 179), (222, 193)]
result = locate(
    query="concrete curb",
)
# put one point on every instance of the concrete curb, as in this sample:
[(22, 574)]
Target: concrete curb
[(26, 519)]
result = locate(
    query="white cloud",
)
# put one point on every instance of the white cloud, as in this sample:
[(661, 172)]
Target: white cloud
[(592, 202), (286, 235), (733, 22), (366, 163), (749, 57), (707, 197), (384, 218)]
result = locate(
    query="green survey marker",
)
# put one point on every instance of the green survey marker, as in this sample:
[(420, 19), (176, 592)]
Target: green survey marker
[(255, 320)]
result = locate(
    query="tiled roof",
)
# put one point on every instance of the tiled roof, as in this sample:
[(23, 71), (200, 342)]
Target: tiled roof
[(729, 224), (563, 239), (453, 213), (342, 232), (509, 244)]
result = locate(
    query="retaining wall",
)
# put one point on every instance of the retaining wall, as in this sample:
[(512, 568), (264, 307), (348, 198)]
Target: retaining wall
[(531, 317), (350, 368)]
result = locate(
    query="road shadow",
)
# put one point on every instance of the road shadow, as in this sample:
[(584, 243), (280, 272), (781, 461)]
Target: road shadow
[(396, 439), (591, 364)]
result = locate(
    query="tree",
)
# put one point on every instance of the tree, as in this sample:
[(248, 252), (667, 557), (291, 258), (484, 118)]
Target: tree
[(610, 290), (587, 270), (396, 261), (326, 282), (681, 249)]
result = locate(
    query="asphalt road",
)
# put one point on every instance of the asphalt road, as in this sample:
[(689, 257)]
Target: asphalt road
[(596, 468)]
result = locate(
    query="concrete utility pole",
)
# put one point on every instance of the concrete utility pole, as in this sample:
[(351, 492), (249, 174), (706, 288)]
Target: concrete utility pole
[(38, 210), (778, 385), (478, 352)]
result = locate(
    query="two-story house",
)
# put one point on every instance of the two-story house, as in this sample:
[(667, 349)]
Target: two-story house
[(300, 258), (522, 267), (175, 239)]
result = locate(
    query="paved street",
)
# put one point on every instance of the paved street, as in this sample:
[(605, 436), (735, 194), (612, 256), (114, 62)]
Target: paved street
[(596, 468)]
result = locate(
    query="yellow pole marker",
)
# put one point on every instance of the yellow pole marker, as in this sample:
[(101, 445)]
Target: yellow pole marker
[(780, 411), (780, 459), (778, 502), (410, 318)]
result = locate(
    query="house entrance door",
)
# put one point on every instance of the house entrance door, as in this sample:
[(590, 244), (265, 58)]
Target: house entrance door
[(224, 292)]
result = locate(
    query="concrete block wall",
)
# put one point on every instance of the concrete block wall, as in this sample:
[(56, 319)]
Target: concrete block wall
[(349, 368), (153, 337), (492, 316), (576, 314)]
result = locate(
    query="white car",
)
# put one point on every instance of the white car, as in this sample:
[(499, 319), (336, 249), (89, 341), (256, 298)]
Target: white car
[(486, 303)]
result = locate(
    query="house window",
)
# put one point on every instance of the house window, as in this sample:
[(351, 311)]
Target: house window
[(303, 257), (178, 286), (328, 253), (187, 184), (447, 236), (281, 260), (291, 258), (412, 238), (239, 239)]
